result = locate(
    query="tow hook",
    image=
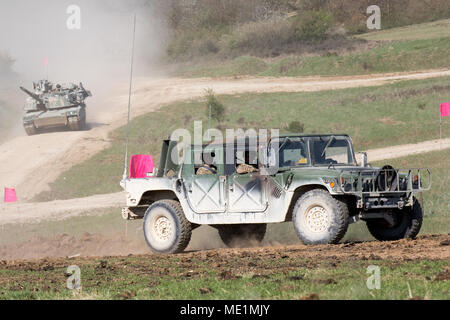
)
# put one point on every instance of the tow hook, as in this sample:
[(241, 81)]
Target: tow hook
[(128, 215), (401, 205)]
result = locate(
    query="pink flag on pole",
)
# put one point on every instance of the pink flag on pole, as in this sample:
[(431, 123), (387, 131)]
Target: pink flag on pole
[(141, 166), (46, 61), (10, 195), (445, 109)]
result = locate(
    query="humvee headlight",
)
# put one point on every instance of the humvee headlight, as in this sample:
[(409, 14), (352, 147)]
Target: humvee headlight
[(330, 182)]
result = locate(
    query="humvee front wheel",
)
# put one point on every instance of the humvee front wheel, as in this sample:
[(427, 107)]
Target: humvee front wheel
[(319, 218), (406, 224), (243, 235), (166, 229)]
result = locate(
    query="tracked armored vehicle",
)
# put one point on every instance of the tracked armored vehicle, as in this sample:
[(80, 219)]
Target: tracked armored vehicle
[(313, 181), (55, 107)]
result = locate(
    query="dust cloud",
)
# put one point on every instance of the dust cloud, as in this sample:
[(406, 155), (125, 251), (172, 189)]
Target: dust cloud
[(97, 54)]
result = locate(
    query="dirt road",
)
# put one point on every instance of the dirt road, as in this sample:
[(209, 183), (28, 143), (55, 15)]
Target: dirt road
[(31, 163)]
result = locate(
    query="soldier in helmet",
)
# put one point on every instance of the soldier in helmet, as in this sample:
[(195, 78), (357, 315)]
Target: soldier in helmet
[(207, 168), (246, 167)]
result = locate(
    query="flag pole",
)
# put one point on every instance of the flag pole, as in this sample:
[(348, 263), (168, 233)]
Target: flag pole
[(440, 132), (125, 173)]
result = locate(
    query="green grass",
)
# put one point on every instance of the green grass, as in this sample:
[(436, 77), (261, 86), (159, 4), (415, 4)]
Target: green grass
[(429, 30), (394, 56), (404, 112), (436, 201), (168, 278)]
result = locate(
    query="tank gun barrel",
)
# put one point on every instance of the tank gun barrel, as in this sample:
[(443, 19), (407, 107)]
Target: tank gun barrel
[(40, 101)]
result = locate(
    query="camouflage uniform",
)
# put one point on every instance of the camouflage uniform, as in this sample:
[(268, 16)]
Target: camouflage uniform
[(205, 170), (245, 168)]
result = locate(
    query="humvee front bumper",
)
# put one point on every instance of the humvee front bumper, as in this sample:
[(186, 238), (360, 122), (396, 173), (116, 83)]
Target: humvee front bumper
[(385, 188)]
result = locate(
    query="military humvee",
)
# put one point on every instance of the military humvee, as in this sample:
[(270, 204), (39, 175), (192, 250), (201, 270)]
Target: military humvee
[(55, 106), (314, 181)]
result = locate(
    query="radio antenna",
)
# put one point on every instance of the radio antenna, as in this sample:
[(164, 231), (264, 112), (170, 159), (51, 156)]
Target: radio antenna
[(125, 173)]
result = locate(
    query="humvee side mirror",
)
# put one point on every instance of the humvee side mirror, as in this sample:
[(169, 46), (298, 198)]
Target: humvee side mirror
[(364, 159)]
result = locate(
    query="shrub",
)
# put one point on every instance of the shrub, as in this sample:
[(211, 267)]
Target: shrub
[(312, 25), (217, 108), (296, 127), (261, 35)]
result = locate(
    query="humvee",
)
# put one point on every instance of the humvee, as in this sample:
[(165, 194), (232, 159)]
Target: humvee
[(314, 182)]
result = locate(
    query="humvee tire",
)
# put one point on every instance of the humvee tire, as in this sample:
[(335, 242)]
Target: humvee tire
[(319, 218), (166, 229), (30, 130), (407, 224), (243, 235)]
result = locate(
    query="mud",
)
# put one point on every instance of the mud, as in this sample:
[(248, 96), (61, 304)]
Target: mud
[(89, 248)]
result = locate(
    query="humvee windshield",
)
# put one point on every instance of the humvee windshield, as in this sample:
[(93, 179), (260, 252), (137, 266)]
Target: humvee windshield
[(316, 151), (331, 150)]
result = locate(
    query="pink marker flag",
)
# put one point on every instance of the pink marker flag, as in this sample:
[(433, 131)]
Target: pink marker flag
[(141, 166), (46, 61), (445, 109), (10, 195)]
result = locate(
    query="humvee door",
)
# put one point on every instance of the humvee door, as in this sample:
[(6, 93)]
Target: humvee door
[(205, 181)]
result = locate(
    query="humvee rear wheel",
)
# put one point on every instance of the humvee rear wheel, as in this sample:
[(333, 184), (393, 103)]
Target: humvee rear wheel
[(406, 224), (166, 229), (319, 218), (30, 130), (245, 235)]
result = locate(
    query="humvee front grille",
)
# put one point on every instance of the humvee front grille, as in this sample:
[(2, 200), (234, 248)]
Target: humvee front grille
[(373, 182)]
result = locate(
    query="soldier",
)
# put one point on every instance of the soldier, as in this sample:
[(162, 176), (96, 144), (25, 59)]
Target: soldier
[(246, 167), (206, 169)]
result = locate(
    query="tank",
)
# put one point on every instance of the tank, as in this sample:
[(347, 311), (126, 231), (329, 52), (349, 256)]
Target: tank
[(55, 106)]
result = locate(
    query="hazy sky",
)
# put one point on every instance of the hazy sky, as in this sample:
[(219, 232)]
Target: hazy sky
[(31, 31)]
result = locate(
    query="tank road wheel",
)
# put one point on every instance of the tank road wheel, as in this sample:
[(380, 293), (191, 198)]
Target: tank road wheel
[(406, 224), (244, 235), (319, 218), (74, 124), (30, 130), (166, 229)]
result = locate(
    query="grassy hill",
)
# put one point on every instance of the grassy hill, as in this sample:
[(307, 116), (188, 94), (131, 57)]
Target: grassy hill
[(270, 28), (298, 37), (398, 56)]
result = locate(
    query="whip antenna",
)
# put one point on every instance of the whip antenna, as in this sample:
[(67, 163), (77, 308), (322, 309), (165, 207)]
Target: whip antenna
[(125, 173)]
